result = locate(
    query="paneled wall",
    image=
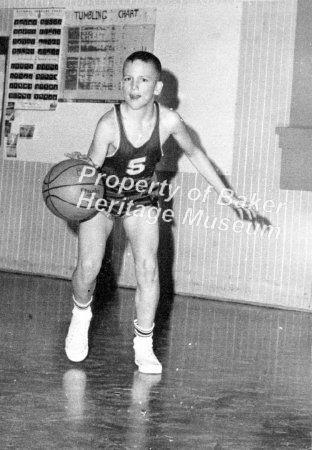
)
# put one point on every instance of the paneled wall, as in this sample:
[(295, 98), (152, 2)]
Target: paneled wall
[(276, 271), (242, 264), (209, 257)]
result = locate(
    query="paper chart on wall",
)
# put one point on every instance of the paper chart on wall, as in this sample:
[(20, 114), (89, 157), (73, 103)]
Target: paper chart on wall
[(96, 44), (33, 73)]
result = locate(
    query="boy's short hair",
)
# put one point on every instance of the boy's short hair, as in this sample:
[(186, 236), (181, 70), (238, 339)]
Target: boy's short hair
[(145, 57)]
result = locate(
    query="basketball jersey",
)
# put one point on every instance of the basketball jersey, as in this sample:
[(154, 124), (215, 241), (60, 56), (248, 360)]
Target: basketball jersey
[(130, 164)]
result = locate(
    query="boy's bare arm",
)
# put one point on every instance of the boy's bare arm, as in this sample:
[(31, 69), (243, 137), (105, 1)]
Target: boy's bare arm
[(202, 163), (197, 157)]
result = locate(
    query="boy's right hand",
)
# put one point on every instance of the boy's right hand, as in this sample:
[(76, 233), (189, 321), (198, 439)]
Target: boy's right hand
[(77, 155), (86, 158)]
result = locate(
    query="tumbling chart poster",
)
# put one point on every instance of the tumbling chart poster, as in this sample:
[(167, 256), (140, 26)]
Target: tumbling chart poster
[(33, 71), (95, 45)]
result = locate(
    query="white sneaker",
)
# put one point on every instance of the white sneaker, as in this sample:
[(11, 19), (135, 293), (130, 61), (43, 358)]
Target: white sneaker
[(145, 358), (76, 342)]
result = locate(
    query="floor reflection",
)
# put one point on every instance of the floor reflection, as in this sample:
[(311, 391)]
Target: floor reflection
[(234, 376), (74, 386), (137, 433)]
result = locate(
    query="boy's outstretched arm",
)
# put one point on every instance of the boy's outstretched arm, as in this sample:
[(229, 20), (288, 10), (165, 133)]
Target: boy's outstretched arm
[(202, 163)]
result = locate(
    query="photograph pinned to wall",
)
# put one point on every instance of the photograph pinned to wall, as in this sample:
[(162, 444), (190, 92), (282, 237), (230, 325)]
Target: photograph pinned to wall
[(26, 131), (10, 111), (8, 118), (11, 145), (7, 128)]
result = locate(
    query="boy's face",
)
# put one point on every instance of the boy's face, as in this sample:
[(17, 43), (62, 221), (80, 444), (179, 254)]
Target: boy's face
[(140, 83)]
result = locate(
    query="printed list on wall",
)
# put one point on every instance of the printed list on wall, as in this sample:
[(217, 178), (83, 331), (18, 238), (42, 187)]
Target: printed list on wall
[(34, 58), (95, 46)]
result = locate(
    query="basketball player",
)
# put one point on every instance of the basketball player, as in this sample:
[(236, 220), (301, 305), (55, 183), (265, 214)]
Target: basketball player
[(127, 144)]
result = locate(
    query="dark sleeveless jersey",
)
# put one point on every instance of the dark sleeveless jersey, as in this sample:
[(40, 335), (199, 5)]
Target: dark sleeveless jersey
[(128, 165)]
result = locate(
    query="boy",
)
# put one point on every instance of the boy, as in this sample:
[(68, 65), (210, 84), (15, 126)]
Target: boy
[(126, 146)]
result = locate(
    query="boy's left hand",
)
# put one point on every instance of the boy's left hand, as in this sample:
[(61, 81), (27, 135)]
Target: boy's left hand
[(247, 212)]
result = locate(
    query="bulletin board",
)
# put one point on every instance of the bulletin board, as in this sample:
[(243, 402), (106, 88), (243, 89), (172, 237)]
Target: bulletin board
[(58, 57), (33, 70), (95, 45), (200, 61)]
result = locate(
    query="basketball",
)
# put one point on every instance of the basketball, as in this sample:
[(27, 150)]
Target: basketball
[(71, 189)]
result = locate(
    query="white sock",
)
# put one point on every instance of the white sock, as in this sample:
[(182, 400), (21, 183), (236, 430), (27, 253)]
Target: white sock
[(82, 307), (142, 332)]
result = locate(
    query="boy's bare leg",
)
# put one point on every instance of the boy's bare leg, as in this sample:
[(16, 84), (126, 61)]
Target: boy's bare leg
[(143, 234), (144, 237), (92, 239)]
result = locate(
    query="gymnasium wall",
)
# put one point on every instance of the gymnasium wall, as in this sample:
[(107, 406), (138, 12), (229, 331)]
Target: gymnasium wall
[(205, 252)]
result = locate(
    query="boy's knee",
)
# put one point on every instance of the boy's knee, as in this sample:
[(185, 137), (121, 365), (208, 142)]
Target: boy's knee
[(147, 268), (88, 269)]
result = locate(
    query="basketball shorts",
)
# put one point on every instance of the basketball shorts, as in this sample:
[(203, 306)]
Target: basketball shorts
[(117, 206)]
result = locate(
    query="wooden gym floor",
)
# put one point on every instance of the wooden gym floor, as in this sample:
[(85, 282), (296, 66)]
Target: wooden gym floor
[(235, 376)]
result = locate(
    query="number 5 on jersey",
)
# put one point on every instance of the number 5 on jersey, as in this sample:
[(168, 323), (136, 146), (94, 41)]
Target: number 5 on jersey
[(136, 166)]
